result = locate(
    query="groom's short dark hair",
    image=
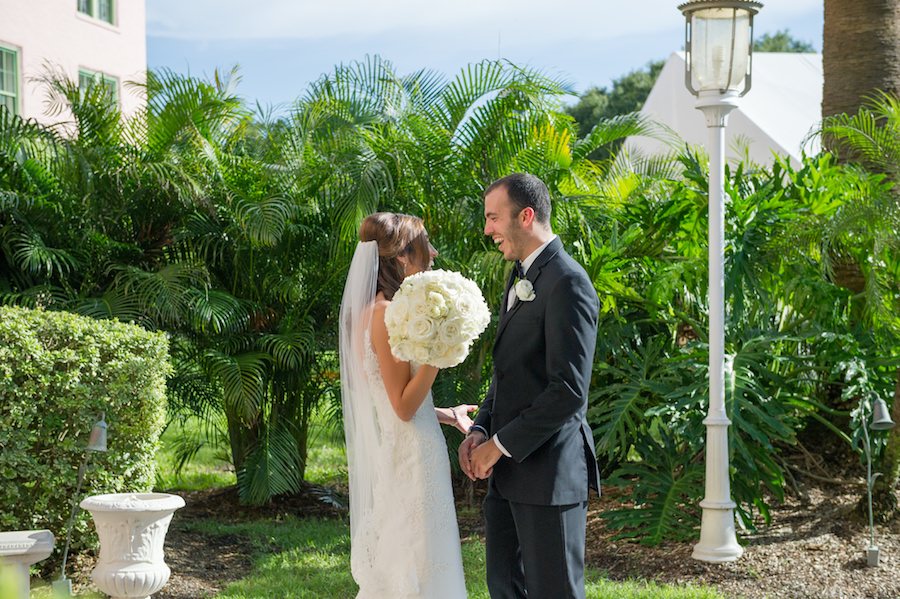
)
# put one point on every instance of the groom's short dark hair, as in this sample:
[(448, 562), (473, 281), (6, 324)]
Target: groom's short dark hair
[(526, 191)]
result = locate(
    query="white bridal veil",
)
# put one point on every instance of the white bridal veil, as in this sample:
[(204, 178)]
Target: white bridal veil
[(360, 421)]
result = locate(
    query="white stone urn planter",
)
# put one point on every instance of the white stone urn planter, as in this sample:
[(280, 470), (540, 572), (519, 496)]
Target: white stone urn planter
[(132, 529)]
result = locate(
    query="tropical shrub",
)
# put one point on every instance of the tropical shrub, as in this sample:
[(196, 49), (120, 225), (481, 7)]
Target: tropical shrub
[(59, 373), (232, 232), (790, 340), (866, 240)]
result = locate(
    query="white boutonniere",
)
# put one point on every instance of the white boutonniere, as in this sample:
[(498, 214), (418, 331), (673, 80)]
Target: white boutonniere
[(525, 291)]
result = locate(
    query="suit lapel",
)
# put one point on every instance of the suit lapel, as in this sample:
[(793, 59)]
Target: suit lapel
[(534, 271)]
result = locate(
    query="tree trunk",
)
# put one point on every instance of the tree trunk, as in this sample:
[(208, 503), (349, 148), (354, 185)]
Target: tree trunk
[(241, 438), (860, 52)]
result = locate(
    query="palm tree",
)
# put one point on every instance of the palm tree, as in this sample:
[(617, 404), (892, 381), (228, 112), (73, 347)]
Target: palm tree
[(860, 53), (429, 146), (172, 220)]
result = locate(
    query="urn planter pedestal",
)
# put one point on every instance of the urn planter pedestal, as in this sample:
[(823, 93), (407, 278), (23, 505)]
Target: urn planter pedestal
[(132, 529), (22, 548)]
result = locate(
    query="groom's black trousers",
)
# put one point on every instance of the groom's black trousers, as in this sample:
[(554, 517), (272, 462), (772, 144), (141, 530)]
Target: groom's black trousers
[(535, 547)]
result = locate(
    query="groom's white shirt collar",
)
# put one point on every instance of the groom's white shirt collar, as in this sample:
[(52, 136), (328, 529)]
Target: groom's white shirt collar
[(527, 262)]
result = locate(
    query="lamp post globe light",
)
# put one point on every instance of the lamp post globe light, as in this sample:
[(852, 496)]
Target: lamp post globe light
[(718, 59)]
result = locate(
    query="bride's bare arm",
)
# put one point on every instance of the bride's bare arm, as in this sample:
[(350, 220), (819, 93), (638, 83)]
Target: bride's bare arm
[(406, 393), (457, 416)]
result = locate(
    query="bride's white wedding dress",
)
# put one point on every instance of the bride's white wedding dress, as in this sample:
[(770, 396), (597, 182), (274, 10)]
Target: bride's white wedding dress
[(409, 547)]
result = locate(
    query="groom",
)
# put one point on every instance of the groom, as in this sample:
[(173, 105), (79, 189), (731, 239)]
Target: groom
[(530, 435)]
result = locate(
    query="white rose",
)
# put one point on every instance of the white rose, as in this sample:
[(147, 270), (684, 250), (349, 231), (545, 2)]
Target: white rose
[(525, 290), (402, 350), (453, 290), (437, 305), (421, 329), (465, 304), (398, 309), (454, 356), (419, 308), (439, 348), (421, 354), (451, 331)]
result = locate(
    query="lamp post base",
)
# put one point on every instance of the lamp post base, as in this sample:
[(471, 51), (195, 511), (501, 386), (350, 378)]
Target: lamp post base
[(718, 541), (872, 556), (62, 587)]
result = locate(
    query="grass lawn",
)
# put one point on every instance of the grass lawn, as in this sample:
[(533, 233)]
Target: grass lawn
[(209, 468), (310, 558)]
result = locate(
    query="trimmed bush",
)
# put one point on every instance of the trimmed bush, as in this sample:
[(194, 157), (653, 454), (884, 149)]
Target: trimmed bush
[(58, 373)]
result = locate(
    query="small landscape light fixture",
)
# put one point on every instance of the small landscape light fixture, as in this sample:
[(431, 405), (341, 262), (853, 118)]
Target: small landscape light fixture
[(881, 421), (96, 442)]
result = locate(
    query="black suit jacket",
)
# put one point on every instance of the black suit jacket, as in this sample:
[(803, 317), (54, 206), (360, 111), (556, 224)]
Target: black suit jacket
[(537, 400)]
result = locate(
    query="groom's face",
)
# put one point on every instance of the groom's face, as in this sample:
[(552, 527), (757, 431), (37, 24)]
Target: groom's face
[(501, 223)]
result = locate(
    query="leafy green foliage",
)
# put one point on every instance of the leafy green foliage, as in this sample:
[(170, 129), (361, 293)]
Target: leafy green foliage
[(667, 487), (232, 232), (783, 319), (58, 373), (626, 95), (781, 41)]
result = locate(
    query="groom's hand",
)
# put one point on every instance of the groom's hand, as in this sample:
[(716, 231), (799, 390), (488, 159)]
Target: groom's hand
[(473, 440), (483, 458)]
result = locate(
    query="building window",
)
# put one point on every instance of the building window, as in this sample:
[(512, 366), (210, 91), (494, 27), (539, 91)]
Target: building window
[(9, 79), (87, 79), (99, 9)]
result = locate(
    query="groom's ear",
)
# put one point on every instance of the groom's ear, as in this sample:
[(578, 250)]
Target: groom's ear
[(526, 216)]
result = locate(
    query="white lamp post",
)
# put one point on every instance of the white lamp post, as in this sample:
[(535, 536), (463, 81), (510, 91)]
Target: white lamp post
[(718, 44)]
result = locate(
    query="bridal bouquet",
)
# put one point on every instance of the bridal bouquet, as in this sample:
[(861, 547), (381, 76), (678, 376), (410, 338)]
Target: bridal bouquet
[(434, 318)]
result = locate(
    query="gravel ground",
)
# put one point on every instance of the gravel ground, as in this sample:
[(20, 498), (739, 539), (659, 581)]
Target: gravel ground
[(812, 551)]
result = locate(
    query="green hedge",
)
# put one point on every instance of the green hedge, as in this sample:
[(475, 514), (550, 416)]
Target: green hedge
[(58, 372)]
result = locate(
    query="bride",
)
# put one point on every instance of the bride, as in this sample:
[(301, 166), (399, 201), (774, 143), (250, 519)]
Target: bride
[(403, 531)]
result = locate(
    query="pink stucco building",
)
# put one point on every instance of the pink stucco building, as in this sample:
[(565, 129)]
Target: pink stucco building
[(102, 41)]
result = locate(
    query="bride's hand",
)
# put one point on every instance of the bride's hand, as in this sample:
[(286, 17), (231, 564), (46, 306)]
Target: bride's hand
[(461, 419)]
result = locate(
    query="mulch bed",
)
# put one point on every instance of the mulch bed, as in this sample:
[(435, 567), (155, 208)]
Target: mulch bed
[(813, 549)]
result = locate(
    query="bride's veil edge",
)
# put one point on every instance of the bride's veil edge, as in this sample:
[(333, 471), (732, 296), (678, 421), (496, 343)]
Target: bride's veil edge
[(360, 421)]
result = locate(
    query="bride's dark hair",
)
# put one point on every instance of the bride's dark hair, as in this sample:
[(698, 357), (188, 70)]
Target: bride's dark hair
[(397, 235)]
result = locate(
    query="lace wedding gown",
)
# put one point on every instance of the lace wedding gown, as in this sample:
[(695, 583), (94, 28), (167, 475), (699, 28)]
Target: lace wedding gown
[(409, 547)]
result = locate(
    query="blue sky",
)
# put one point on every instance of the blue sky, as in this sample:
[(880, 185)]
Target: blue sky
[(283, 45)]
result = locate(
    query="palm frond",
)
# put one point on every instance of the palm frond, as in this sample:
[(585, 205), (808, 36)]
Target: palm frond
[(290, 351), (30, 253), (242, 378), (272, 468), (163, 295)]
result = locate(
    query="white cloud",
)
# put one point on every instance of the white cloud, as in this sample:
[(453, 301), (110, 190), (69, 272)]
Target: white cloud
[(316, 19)]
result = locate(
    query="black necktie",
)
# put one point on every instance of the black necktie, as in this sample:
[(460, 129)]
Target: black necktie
[(520, 272)]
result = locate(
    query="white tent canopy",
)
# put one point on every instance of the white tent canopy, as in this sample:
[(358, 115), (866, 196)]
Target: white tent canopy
[(784, 104)]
